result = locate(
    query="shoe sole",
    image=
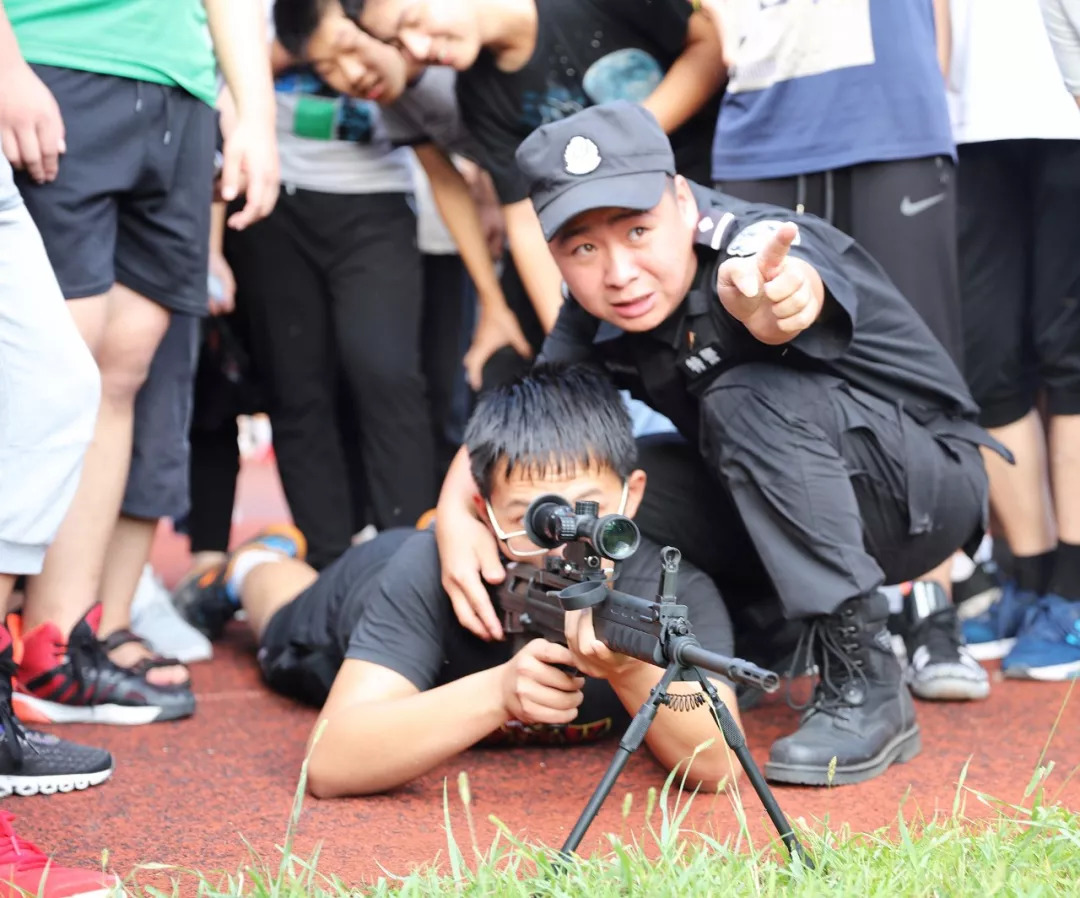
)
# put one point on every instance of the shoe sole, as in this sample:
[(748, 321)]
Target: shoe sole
[(950, 689), (1054, 673), (902, 748), (48, 785), (31, 709), (994, 650)]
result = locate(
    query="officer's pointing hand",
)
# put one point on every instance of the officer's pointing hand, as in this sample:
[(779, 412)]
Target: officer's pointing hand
[(776, 297)]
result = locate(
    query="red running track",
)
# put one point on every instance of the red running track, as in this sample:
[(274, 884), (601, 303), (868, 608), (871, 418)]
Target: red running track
[(190, 793)]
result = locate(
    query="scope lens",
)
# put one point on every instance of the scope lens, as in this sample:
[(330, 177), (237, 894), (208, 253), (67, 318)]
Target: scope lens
[(618, 537)]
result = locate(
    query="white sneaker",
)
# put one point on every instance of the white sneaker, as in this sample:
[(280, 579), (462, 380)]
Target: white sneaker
[(154, 619)]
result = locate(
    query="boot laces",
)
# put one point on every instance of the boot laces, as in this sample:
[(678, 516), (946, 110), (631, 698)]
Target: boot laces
[(833, 643)]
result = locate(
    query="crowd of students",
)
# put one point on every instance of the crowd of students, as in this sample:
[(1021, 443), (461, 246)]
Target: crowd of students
[(396, 210)]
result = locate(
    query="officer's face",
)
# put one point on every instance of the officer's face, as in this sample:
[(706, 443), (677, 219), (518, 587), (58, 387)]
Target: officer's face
[(355, 63), (631, 268), (510, 497), (432, 32)]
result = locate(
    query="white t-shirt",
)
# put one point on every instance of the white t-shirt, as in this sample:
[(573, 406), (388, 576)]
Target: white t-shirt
[(1004, 82)]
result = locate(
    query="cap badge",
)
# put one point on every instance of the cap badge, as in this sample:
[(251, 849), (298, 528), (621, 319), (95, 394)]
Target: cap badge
[(582, 156)]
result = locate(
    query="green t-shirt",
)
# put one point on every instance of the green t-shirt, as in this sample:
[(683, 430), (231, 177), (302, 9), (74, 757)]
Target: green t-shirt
[(160, 41)]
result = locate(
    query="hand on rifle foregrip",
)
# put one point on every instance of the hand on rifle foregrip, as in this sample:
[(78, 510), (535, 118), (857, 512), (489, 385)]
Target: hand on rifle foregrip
[(591, 656), (535, 690)]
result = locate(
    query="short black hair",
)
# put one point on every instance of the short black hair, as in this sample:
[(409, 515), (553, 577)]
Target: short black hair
[(295, 21), (554, 419)]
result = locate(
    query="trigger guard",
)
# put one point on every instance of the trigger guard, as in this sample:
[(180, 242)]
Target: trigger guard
[(581, 595)]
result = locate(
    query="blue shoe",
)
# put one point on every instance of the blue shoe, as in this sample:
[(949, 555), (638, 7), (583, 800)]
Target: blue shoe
[(991, 635), (1048, 646)]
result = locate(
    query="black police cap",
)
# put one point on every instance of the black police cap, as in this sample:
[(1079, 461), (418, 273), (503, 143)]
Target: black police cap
[(614, 155)]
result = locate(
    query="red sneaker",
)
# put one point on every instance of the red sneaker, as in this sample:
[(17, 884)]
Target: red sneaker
[(26, 870)]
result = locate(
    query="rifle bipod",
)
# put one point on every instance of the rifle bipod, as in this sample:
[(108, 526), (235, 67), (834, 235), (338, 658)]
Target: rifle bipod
[(733, 736)]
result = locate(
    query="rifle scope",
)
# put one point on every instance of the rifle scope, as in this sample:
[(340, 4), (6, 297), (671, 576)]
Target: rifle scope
[(550, 522)]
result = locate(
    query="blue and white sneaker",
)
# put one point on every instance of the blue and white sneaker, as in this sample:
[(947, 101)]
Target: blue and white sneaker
[(1048, 645), (992, 634)]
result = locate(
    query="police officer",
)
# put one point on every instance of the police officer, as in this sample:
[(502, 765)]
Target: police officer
[(834, 421)]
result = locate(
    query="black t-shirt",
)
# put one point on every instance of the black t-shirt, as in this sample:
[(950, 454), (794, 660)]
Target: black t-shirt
[(398, 616), (868, 333), (588, 52)]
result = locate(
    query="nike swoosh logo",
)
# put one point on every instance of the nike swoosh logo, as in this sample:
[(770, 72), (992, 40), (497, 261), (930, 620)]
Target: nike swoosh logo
[(909, 208)]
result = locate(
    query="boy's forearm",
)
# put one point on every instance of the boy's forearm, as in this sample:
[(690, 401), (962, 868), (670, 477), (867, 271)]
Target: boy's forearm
[(458, 210), (675, 735), (693, 78), (372, 747), (217, 228), (238, 29), (535, 266)]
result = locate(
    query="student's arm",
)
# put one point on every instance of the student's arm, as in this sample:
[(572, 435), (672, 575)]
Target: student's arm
[(224, 303), (497, 326), (381, 732), (238, 29), (535, 264), (693, 78), (943, 33), (1062, 19), (31, 129)]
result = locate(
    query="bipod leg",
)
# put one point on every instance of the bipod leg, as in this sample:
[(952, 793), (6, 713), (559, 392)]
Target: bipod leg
[(628, 744), (737, 743)]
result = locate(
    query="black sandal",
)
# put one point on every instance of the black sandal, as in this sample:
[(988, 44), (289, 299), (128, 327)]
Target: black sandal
[(122, 637)]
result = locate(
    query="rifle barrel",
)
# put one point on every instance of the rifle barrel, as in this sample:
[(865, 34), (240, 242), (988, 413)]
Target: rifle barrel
[(733, 668)]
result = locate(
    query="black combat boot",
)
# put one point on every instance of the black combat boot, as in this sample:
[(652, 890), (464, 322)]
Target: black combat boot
[(861, 712)]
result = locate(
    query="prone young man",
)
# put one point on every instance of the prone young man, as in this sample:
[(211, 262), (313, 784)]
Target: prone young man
[(402, 685)]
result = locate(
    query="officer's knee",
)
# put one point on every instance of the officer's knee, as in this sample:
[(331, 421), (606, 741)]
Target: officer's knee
[(744, 397)]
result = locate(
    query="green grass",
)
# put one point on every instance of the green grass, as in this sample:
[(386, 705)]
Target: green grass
[(1030, 849)]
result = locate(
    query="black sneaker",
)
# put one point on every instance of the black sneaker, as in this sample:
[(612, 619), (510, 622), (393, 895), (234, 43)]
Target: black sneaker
[(939, 665), (33, 762), (861, 717), (75, 682)]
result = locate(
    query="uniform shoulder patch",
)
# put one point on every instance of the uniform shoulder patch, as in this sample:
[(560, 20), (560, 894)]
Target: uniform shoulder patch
[(753, 237), (711, 228)]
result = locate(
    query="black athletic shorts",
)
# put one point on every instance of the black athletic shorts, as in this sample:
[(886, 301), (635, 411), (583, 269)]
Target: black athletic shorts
[(304, 643), (131, 202), (1019, 238)]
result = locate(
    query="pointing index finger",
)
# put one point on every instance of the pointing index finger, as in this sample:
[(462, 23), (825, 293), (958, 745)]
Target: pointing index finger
[(771, 256)]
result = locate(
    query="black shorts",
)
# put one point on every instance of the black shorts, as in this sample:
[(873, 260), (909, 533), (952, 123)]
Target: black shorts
[(1019, 223), (158, 484), (304, 643), (131, 202)]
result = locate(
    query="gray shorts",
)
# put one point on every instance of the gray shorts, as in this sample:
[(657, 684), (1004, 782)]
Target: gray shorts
[(131, 202), (158, 482), (49, 392)]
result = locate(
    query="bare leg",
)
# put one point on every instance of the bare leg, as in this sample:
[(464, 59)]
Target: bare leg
[(125, 559), (269, 586), (7, 586), (1020, 493), (123, 330), (1065, 473)]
